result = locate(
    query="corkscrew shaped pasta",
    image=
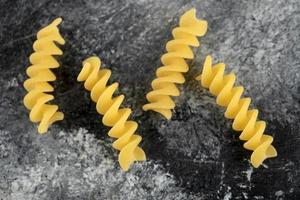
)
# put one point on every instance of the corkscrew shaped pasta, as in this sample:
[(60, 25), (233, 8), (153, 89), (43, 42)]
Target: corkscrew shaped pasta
[(40, 75), (122, 129), (174, 63), (245, 120)]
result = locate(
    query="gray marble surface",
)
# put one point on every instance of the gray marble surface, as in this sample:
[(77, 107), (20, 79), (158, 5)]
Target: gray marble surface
[(195, 155)]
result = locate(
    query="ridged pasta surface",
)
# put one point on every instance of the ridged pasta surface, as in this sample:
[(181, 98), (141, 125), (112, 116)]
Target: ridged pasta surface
[(237, 108), (40, 74), (123, 130), (174, 64)]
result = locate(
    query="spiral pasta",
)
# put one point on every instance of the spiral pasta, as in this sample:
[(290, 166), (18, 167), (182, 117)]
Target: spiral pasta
[(174, 64), (122, 129), (40, 75), (245, 120)]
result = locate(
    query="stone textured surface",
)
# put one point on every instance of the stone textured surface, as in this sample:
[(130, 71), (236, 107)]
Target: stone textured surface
[(196, 155)]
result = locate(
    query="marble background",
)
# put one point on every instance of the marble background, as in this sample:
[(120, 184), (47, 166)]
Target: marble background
[(195, 155)]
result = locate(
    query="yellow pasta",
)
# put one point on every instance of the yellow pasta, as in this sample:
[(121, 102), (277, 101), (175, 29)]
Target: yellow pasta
[(38, 86), (174, 64), (127, 142), (245, 120)]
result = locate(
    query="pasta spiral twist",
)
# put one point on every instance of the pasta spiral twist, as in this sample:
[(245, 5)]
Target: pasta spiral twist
[(245, 120), (174, 63), (122, 129), (39, 73)]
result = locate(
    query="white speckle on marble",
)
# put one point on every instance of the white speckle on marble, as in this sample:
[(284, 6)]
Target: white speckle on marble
[(258, 197), (12, 83), (279, 193), (228, 194), (265, 165), (241, 185), (249, 173), (245, 195)]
